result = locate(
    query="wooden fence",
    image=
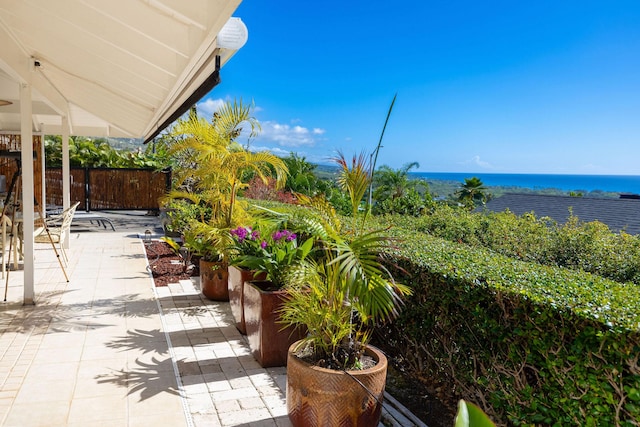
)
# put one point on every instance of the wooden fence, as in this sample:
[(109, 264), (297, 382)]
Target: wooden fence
[(9, 161), (109, 188)]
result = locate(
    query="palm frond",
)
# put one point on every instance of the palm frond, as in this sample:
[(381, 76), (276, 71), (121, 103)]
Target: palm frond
[(229, 118), (354, 179)]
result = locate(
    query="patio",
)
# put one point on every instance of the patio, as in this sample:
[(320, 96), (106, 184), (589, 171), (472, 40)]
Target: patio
[(108, 348)]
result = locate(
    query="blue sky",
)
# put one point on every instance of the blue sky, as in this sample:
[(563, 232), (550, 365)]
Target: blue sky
[(484, 87)]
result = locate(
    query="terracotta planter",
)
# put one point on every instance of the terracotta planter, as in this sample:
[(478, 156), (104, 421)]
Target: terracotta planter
[(214, 280), (326, 397), (237, 277), (269, 343)]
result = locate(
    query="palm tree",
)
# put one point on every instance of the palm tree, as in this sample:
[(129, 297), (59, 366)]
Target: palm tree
[(394, 183), (342, 294), (472, 192), (220, 165), (213, 166), (301, 177), (354, 180)]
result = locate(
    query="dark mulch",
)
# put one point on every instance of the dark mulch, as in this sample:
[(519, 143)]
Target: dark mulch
[(416, 397), (166, 266)]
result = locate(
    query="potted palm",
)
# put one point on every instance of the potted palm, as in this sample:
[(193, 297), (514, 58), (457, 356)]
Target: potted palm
[(207, 243), (275, 255), (333, 376), (211, 168)]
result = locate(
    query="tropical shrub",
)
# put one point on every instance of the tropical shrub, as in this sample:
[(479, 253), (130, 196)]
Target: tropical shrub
[(179, 213), (260, 190), (589, 246), (410, 203), (532, 344), (87, 152)]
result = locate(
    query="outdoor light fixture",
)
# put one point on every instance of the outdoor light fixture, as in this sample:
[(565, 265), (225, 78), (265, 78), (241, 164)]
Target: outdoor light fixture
[(233, 35), (5, 102), (147, 237)]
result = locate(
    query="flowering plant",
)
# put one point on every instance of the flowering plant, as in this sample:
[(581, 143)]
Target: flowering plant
[(246, 241), (274, 255)]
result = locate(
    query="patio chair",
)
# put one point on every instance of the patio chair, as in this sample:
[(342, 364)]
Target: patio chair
[(59, 226), (5, 225)]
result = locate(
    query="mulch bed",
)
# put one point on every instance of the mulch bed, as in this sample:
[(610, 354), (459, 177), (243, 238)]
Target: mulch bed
[(166, 266)]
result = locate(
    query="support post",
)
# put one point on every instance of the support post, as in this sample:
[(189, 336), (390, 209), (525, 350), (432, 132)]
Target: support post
[(26, 139), (42, 163), (66, 174)]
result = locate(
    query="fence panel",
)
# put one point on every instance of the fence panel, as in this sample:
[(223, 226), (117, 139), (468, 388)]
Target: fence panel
[(109, 188), (53, 183), (10, 147)]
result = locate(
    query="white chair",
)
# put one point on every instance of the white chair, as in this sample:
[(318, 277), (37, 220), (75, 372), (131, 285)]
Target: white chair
[(59, 227), (5, 224)]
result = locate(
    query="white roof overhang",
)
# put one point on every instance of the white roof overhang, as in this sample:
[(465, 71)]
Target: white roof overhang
[(119, 68)]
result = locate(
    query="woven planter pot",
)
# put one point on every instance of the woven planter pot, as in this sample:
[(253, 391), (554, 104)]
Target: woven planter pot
[(326, 397), (214, 280), (237, 277), (269, 343)]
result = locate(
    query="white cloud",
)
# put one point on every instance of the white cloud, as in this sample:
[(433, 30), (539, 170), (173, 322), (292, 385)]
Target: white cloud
[(285, 135), (273, 150), (289, 136), (481, 163), (477, 161), (209, 106)]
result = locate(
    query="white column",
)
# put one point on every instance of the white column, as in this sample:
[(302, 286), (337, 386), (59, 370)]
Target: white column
[(26, 139), (42, 209), (66, 176)]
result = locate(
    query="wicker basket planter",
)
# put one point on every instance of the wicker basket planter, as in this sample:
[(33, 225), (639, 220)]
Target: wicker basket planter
[(214, 280), (326, 397)]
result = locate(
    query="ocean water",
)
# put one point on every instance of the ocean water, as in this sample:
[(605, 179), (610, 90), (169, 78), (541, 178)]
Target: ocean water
[(583, 183)]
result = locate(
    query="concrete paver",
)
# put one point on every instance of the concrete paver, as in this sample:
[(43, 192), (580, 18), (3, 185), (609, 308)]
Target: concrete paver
[(107, 349)]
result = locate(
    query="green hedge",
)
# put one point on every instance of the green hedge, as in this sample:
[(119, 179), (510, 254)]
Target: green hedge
[(588, 246), (531, 344)]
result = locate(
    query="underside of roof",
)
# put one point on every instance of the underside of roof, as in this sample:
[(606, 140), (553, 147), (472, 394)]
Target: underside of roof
[(118, 68)]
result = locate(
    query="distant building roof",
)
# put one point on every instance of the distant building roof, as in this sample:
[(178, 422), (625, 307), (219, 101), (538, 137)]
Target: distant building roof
[(618, 214)]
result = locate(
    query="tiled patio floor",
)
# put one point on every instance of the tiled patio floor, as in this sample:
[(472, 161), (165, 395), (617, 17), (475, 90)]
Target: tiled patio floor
[(107, 349)]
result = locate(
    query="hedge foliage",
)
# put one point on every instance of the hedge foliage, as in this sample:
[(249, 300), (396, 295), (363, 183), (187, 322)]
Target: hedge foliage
[(587, 246), (531, 344)]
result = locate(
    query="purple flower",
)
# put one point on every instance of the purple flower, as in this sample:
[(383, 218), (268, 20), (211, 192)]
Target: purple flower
[(255, 235), (263, 244), (284, 234), (241, 233)]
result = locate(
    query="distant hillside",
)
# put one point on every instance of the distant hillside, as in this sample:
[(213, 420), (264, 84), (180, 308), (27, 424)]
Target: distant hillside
[(126, 144), (444, 189), (326, 172)]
